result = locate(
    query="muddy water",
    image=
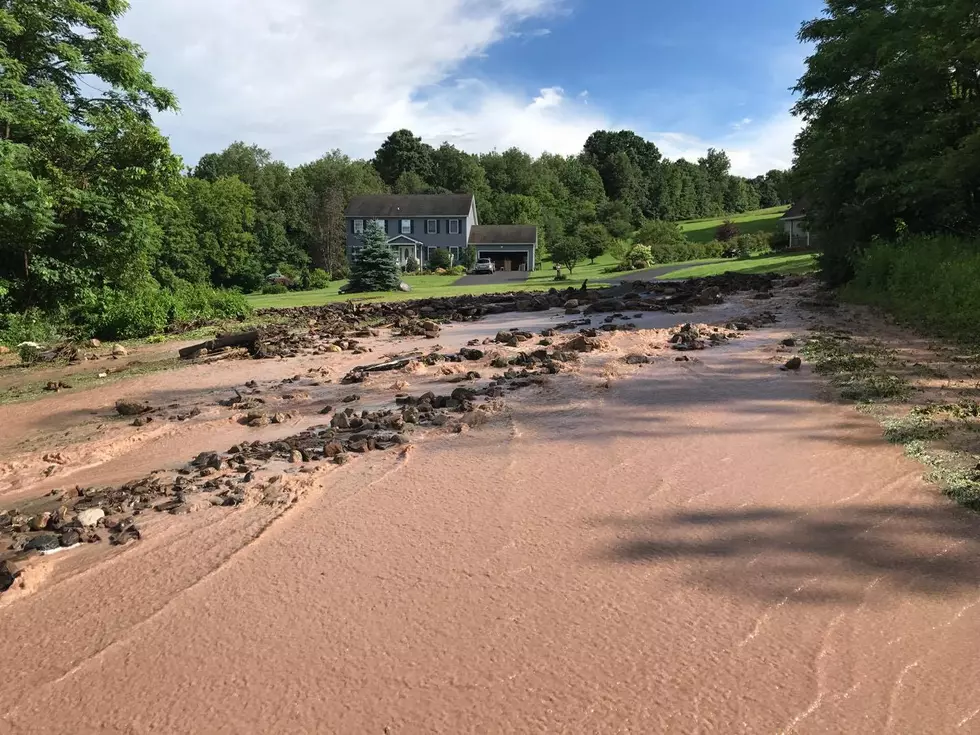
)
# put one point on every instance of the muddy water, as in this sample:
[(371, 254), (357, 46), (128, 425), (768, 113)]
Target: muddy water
[(681, 547)]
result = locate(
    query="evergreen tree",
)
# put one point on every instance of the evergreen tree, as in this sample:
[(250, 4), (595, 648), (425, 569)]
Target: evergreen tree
[(375, 268)]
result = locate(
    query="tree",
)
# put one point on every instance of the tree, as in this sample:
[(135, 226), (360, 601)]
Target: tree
[(659, 232), (375, 268), (239, 159), (567, 252), (440, 259), (411, 265), (74, 94), (459, 172), (401, 153), (595, 239), (411, 183), (890, 136)]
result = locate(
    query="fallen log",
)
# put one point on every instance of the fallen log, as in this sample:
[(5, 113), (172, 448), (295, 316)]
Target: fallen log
[(242, 339), (357, 374)]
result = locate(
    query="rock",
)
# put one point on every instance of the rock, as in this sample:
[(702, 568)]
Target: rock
[(333, 348), (7, 577), (141, 420), (582, 343), (4, 350), (340, 421), (131, 408), (471, 354), (571, 304), (637, 359), (762, 296), (411, 415), (40, 522), (332, 449), (257, 420), (794, 363), (89, 517), (342, 459), (119, 351), (69, 538), (351, 398), (208, 459), (295, 456), (788, 342), (326, 409), (44, 542), (279, 418), (545, 342), (95, 342), (404, 287)]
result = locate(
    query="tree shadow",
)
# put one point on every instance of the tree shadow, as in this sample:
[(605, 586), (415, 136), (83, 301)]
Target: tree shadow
[(817, 556)]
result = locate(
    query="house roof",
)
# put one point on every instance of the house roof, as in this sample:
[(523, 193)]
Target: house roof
[(797, 211), (410, 205), (503, 235)]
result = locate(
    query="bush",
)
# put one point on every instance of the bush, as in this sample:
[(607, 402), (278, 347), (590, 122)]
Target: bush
[(929, 282), (440, 258), (318, 279), (457, 270), (727, 231), (660, 232), (411, 265), (275, 288), (31, 326), (687, 251), (638, 256), (779, 240)]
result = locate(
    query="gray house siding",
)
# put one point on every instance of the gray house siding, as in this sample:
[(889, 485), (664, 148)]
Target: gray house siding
[(442, 238)]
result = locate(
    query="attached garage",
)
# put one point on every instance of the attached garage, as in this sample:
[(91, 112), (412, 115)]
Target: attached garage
[(507, 260), (510, 247)]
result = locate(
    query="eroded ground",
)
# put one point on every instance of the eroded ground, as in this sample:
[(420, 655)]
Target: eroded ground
[(700, 542)]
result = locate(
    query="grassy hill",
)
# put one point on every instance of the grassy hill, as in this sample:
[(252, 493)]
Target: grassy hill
[(761, 220)]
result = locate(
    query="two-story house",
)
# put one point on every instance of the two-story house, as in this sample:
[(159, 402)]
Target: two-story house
[(419, 224)]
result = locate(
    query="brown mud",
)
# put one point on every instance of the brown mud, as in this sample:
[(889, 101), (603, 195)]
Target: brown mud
[(668, 533)]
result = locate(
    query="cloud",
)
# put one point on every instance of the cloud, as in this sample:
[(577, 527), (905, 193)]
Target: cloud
[(753, 148), (300, 77)]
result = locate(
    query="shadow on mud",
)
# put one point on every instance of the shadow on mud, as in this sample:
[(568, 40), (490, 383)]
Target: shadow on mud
[(810, 557)]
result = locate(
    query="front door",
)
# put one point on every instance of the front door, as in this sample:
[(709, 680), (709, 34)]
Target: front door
[(406, 253)]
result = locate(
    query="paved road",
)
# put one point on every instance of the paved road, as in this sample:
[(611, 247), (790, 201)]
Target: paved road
[(493, 278), (650, 274)]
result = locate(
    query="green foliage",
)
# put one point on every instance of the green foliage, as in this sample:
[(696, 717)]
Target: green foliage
[(33, 325), (638, 256), (660, 232), (929, 282), (568, 251), (595, 238), (319, 278), (468, 259), (728, 230), (685, 251), (376, 268), (274, 288), (403, 153), (891, 135), (440, 258), (411, 265)]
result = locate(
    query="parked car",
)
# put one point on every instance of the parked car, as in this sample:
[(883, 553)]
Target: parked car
[(484, 265)]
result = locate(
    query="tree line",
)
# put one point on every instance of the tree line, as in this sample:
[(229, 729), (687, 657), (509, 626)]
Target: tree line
[(93, 201)]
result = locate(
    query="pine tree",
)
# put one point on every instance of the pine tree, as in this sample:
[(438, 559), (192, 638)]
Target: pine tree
[(375, 268)]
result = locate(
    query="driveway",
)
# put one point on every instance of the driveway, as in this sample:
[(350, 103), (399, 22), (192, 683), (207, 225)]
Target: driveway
[(493, 278), (652, 273)]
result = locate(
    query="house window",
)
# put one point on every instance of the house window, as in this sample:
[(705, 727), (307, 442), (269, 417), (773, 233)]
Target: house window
[(406, 228), (431, 227), (358, 226), (381, 224), (454, 227), (454, 252)]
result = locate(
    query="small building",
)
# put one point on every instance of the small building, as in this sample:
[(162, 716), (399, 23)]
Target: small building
[(419, 224), (795, 225)]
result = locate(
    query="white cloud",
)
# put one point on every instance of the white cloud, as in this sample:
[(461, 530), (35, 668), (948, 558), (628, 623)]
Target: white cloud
[(752, 148), (300, 77)]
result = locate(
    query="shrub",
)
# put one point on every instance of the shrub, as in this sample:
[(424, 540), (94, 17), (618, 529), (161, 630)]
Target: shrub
[(929, 282), (440, 258), (726, 231), (318, 279), (31, 326), (274, 288), (29, 354), (779, 240), (411, 265), (638, 256), (457, 270), (660, 232)]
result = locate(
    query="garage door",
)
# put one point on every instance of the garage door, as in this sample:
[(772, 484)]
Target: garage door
[(516, 261)]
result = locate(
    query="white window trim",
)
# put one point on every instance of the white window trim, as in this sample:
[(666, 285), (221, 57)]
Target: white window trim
[(431, 226), (382, 224), (358, 227), (454, 224), (405, 227)]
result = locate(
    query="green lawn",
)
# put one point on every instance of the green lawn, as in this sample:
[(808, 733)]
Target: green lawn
[(761, 220), (784, 264)]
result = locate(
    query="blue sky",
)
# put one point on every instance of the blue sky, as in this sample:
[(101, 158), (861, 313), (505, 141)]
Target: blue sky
[(540, 74)]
